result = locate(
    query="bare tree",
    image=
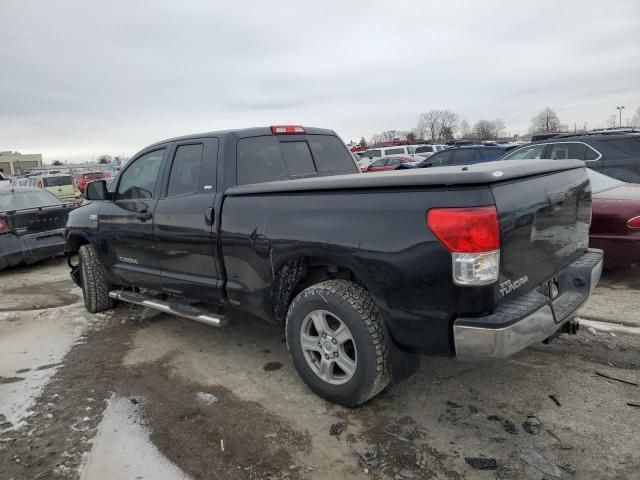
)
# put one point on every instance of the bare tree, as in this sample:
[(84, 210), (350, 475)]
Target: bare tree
[(411, 137), (488, 129), (546, 121), (430, 124), (448, 124), (635, 121), (465, 129), (612, 121), (363, 143)]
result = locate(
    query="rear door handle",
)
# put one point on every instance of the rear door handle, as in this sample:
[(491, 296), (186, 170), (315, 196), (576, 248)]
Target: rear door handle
[(144, 216)]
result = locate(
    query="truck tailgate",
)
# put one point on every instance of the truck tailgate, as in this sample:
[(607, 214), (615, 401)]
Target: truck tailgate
[(544, 223)]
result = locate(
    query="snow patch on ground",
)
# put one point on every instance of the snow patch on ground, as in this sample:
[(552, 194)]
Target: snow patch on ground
[(122, 448), (32, 344)]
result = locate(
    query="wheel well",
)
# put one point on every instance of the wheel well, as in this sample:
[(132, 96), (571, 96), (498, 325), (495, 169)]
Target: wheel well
[(300, 273), (74, 242)]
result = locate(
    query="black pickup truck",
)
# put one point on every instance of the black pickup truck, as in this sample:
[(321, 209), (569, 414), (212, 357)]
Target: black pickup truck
[(364, 272)]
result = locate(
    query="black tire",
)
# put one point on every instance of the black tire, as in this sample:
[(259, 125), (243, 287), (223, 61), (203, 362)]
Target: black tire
[(95, 285), (353, 305)]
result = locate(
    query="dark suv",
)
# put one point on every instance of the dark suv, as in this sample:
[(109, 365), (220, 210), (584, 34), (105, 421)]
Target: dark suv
[(614, 154), (466, 155)]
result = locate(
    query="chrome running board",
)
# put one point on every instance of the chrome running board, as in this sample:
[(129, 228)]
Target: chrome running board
[(179, 309)]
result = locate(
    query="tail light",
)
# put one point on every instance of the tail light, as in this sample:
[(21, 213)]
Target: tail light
[(287, 130), (472, 235), (634, 222), (4, 226)]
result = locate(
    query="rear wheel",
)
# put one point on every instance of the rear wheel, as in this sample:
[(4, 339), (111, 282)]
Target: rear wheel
[(95, 285), (336, 339)]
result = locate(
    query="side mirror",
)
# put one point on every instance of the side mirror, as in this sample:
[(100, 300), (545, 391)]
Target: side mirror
[(96, 190)]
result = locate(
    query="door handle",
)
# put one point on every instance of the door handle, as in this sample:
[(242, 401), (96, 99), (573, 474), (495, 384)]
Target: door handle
[(144, 216), (208, 216)]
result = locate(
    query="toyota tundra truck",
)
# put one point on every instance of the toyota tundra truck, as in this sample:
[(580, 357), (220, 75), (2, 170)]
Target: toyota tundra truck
[(364, 273)]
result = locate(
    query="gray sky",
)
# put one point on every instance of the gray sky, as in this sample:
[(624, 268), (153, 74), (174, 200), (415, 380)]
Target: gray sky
[(81, 78)]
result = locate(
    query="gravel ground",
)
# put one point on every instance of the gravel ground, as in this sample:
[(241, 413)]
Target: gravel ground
[(133, 394)]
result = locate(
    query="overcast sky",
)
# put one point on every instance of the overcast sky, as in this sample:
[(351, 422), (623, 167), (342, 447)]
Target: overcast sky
[(82, 78)]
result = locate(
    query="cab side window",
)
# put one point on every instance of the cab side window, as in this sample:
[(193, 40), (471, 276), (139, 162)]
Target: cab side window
[(185, 170), (138, 181)]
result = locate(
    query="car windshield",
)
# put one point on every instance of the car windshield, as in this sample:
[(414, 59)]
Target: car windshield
[(13, 200), (57, 181), (600, 182)]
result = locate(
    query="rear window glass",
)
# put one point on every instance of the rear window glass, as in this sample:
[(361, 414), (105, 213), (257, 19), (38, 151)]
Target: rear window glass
[(185, 171), (393, 151), (563, 151), (438, 160), (372, 154), (428, 149), (57, 181), (331, 155), (297, 158), (533, 152), (490, 154), (22, 200), (92, 175), (260, 160), (624, 146), (600, 182)]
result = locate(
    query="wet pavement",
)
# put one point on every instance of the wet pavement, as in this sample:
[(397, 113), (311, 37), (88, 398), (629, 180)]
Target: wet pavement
[(136, 394)]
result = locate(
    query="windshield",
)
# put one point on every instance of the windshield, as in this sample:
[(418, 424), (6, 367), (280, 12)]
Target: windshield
[(600, 182), (12, 200), (57, 181)]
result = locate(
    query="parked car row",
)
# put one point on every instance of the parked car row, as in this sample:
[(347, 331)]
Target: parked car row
[(613, 159), (32, 224)]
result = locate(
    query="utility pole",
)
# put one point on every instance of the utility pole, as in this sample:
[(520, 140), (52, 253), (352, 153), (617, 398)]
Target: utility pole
[(620, 108)]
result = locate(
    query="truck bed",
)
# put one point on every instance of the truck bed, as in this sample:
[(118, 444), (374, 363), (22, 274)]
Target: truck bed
[(477, 174)]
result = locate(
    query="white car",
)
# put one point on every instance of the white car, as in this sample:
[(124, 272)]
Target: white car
[(375, 153), (426, 151)]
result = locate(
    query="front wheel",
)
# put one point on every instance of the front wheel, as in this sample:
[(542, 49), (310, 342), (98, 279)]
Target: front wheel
[(95, 285), (336, 339)]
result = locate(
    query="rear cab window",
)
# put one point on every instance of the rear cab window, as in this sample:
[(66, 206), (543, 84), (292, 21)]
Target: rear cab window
[(57, 181), (270, 158)]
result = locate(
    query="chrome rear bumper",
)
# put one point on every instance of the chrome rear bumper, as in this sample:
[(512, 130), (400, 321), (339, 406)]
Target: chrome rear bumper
[(530, 318)]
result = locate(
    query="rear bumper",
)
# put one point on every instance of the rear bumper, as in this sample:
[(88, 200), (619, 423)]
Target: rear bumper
[(30, 248), (530, 318)]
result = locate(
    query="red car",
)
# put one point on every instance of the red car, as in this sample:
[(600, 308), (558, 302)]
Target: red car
[(89, 177), (615, 223), (389, 163)]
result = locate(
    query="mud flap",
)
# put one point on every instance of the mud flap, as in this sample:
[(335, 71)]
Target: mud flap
[(402, 364), (75, 273)]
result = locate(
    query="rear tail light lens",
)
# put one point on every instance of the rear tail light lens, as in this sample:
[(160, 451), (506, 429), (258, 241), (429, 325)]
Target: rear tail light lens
[(4, 226), (287, 130), (634, 222), (472, 235)]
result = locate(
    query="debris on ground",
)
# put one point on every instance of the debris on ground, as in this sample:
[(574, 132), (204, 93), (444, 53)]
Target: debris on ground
[(532, 425), (508, 425), (592, 331), (405, 473), (337, 428), (634, 404), (537, 461), (369, 457), (555, 400), (600, 374), (207, 398), (481, 463)]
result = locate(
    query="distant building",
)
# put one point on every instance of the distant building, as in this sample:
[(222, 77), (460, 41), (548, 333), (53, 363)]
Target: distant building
[(12, 163)]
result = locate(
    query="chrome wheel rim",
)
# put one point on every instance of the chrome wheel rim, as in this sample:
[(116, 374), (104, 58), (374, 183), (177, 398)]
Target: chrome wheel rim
[(328, 347)]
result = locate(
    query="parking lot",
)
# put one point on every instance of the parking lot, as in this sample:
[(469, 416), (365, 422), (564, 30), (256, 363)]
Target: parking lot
[(138, 394)]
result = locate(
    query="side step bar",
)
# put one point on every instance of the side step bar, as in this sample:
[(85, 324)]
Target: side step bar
[(180, 309)]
